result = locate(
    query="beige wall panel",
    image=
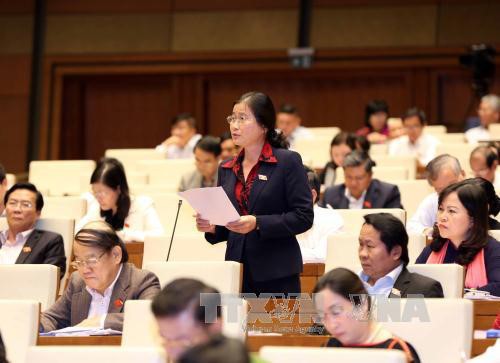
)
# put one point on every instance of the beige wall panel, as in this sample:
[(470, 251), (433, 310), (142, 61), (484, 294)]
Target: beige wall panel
[(15, 34), (464, 24), (381, 26), (234, 30), (107, 33)]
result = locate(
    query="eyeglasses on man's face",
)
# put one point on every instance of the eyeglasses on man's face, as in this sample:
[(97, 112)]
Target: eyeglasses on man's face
[(23, 204), (89, 262)]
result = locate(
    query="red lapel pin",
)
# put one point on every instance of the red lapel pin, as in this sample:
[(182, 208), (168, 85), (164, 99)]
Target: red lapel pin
[(367, 204), (118, 303)]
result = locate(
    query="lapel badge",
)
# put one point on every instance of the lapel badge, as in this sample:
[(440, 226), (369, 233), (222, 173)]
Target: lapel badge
[(27, 249), (262, 177), (118, 303), (396, 292)]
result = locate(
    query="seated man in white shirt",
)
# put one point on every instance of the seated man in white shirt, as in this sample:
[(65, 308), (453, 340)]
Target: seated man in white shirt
[(488, 112), (183, 137), (415, 142), (383, 253), (3, 188), (288, 121), (313, 243), (483, 162), (442, 171)]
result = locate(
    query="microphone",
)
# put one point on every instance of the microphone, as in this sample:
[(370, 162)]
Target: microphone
[(173, 231)]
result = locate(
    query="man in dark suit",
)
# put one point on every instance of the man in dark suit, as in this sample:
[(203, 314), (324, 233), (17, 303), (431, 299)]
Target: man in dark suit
[(22, 242), (383, 253), (360, 190)]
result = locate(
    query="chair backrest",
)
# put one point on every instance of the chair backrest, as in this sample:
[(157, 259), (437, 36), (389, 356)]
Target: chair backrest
[(329, 131), (327, 355), (225, 276), (422, 321), (412, 193), (84, 354), (19, 327), (459, 150), (130, 157), (342, 251), (60, 177), (407, 161), (32, 282), (166, 172), (416, 244), (450, 275), (316, 150), (69, 207), (141, 330), (353, 218), (152, 190), (453, 137), (11, 179), (379, 149), (185, 247), (494, 130), (166, 206), (435, 129)]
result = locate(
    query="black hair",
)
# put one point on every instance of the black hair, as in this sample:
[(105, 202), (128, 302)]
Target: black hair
[(103, 239), (358, 158), (373, 107), (110, 172), (26, 186), (416, 112), (3, 175), (491, 195), (313, 180), (490, 153), (392, 232), (263, 109), (209, 144), (218, 349), (362, 143), (182, 294), (345, 283), (226, 135), (288, 108), (474, 200), (185, 116)]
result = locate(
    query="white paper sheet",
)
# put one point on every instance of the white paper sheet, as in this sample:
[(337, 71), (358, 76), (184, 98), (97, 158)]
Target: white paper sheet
[(212, 203), (78, 331)]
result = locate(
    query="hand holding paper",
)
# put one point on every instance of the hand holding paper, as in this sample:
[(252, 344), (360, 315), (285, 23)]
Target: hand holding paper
[(212, 204)]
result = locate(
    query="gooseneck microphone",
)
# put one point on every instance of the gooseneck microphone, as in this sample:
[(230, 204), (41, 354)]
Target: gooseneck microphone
[(173, 231)]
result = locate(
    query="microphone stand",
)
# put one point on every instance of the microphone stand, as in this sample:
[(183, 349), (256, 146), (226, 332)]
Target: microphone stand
[(173, 231)]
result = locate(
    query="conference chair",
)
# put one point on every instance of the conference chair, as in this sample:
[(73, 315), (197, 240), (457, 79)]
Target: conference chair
[(459, 150), (416, 244), (141, 330), (353, 218), (152, 190), (166, 206), (440, 330), (94, 353), (342, 251), (435, 129), (407, 161), (11, 180), (328, 355), (225, 276), (67, 207), (452, 137), (130, 157), (450, 275), (316, 149), (185, 247), (60, 177), (166, 172), (412, 193), (32, 282), (379, 149), (328, 131), (19, 327), (385, 173)]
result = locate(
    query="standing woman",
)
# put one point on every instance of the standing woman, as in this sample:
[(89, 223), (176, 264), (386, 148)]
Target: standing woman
[(133, 218), (267, 185), (461, 236)]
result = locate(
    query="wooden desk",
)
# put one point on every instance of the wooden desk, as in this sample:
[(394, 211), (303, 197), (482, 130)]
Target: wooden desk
[(93, 340), (135, 253), (310, 275)]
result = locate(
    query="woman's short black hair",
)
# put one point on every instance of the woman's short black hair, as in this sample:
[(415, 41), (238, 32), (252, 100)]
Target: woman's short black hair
[(263, 109), (345, 283), (101, 235), (392, 232), (491, 195), (110, 172), (182, 294), (474, 200), (218, 349), (209, 144), (27, 186), (373, 107), (313, 180)]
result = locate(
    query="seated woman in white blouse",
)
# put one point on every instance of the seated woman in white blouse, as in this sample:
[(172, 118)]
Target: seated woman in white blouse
[(133, 218)]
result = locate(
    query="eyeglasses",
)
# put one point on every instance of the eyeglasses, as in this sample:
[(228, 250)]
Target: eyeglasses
[(23, 204), (100, 193), (89, 262), (238, 119)]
